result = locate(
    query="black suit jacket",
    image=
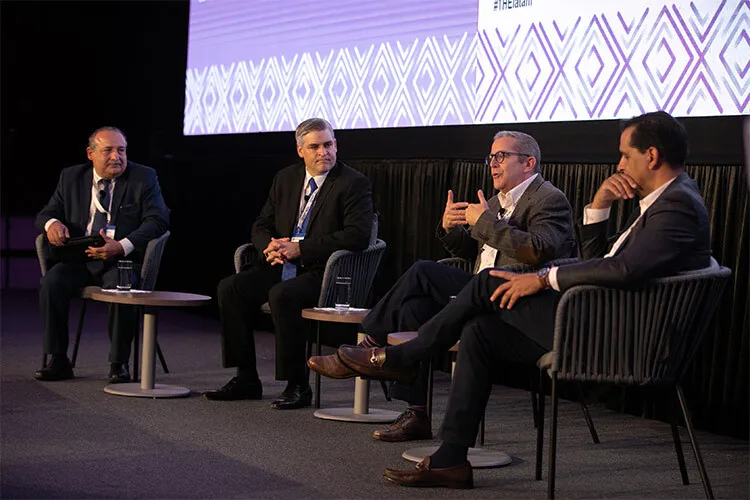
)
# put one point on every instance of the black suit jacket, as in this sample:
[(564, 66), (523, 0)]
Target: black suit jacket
[(672, 236), (138, 209), (341, 218)]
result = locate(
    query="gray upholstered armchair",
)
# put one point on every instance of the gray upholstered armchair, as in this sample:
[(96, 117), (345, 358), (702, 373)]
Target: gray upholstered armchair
[(644, 337)]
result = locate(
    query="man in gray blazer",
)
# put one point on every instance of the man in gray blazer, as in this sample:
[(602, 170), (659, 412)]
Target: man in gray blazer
[(529, 222)]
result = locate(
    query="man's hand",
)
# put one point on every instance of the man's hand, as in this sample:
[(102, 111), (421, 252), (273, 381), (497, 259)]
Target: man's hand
[(272, 251), (517, 286), (619, 186), (475, 210), (290, 250), (455, 213), (111, 248), (57, 233)]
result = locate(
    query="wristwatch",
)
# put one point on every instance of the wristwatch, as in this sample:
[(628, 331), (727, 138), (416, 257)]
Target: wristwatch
[(543, 275)]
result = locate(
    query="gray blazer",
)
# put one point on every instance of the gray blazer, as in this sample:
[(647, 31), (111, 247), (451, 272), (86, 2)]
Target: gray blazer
[(540, 229)]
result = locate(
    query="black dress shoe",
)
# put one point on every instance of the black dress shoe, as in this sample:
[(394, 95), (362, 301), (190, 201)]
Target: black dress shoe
[(293, 397), (119, 373), (59, 369), (235, 390)]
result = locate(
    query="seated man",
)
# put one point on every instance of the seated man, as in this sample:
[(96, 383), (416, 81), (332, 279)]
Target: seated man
[(501, 317), (121, 201), (530, 221), (312, 210)]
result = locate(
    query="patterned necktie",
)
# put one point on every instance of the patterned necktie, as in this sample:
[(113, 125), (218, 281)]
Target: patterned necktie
[(290, 270), (100, 219)]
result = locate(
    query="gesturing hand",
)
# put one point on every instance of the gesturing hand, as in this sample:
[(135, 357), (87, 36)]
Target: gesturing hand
[(619, 186), (454, 214), (475, 210), (516, 286)]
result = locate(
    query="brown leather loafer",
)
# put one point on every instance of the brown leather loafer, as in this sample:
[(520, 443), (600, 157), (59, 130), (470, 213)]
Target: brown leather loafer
[(408, 427), (459, 476), (368, 362), (330, 366)]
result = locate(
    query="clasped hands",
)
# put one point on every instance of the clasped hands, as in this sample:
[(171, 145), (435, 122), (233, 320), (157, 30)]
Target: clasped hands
[(280, 250), (461, 212), (58, 234)]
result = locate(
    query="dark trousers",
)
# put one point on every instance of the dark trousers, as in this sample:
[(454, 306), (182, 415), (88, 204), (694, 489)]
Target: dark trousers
[(240, 297), (421, 292), (489, 336), (65, 280)]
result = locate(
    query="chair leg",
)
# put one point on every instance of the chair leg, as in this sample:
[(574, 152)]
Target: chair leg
[(694, 443), (586, 415), (430, 382), (534, 404), (552, 440), (677, 443), (161, 358), (540, 429), (317, 375), (78, 333), (481, 431)]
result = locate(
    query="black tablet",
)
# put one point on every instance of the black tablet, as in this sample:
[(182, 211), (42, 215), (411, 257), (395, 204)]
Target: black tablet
[(74, 250)]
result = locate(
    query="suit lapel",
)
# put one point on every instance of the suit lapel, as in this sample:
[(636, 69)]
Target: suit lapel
[(121, 185), (525, 200), (294, 203), (328, 186), (86, 185)]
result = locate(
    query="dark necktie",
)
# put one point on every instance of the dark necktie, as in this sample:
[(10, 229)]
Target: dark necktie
[(100, 219), (290, 270)]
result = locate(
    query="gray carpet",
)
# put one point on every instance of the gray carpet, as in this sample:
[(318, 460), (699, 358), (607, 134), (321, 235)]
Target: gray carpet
[(71, 440)]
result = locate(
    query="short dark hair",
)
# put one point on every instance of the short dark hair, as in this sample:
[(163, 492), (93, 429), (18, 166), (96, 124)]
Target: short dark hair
[(662, 131), (116, 130)]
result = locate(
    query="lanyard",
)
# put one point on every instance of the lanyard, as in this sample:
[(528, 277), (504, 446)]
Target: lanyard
[(305, 211)]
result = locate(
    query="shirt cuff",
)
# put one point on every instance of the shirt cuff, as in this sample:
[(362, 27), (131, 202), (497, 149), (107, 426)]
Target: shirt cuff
[(127, 246), (594, 215), (552, 277), (49, 223)]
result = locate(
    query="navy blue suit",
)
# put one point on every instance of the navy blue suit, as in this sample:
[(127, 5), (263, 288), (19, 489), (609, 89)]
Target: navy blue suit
[(138, 213)]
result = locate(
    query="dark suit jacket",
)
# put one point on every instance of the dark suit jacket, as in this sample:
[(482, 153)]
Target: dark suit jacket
[(341, 218), (672, 236), (540, 229), (138, 209)]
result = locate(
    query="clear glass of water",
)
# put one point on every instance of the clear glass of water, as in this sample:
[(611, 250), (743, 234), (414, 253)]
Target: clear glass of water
[(124, 275), (343, 292)]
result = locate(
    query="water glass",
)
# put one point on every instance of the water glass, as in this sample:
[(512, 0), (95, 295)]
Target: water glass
[(124, 275), (343, 292)]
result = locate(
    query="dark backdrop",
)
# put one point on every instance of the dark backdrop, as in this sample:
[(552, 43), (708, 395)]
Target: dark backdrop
[(69, 67)]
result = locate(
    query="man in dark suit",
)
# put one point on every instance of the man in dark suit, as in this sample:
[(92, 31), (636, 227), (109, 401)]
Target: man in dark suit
[(502, 317), (529, 222), (121, 201), (313, 209)]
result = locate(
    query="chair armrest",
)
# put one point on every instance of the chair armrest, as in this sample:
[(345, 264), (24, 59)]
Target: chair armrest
[(42, 253), (360, 266), (459, 263), (244, 254)]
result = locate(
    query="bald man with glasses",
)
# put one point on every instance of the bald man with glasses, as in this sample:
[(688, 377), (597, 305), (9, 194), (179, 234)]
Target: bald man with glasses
[(529, 222)]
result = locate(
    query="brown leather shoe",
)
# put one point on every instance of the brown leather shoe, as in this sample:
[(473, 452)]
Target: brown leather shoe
[(408, 427), (368, 362), (459, 476), (330, 366)]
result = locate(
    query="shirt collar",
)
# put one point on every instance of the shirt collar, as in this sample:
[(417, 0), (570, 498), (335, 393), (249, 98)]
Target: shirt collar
[(319, 179), (649, 200), (97, 178), (511, 198)]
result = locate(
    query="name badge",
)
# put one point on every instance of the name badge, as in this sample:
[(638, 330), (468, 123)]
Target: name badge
[(110, 231), (297, 239)]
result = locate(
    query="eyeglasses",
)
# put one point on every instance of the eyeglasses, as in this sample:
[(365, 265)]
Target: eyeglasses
[(500, 156)]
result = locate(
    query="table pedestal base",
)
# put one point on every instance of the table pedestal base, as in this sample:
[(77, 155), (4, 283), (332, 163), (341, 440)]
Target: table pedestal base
[(478, 457), (159, 391), (374, 415)]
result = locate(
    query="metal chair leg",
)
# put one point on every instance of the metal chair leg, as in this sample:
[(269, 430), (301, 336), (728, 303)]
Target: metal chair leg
[(586, 415), (481, 431), (540, 429), (78, 333), (552, 440), (694, 443), (161, 358), (317, 375), (678, 443)]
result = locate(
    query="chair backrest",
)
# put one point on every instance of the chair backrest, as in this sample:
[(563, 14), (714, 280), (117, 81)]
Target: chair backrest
[(643, 336), (360, 266), (152, 261)]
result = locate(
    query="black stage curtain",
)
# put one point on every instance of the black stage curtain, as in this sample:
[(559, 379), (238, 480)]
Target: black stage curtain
[(410, 196)]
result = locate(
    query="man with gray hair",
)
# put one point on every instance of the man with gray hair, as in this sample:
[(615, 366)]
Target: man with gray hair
[(313, 209), (529, 222)]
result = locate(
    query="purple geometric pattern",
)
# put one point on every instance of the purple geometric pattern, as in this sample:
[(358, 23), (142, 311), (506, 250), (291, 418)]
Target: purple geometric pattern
[(428, 82), (677, 59)]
